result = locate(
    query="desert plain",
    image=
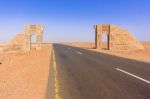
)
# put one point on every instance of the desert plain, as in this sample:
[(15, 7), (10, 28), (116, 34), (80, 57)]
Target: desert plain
[(24, 75)]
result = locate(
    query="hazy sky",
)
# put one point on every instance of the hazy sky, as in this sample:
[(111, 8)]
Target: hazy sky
[(73, 20)]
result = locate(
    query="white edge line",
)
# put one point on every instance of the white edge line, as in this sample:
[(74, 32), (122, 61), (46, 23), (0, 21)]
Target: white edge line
[(142, 79)]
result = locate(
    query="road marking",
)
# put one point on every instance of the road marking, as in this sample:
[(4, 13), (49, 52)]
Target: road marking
[(79, 53), (142, 79), (56, 83)]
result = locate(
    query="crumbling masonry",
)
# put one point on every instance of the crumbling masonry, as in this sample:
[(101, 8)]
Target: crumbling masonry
[(118, 39), (33, 30), (23, 41)]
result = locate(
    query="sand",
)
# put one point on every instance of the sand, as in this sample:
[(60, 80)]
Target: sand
[(24, 75)]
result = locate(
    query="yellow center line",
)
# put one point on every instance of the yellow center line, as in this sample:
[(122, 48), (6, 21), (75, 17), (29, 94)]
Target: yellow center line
[(56, 82)]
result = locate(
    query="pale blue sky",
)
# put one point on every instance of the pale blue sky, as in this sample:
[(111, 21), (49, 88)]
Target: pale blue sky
[(73, 20)]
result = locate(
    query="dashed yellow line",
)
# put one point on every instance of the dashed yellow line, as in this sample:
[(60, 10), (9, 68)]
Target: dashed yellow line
[(56, 82)]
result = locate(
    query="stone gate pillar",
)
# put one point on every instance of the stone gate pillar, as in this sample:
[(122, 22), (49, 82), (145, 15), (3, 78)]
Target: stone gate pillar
[(98, 37), (39, 41), (27, 42)]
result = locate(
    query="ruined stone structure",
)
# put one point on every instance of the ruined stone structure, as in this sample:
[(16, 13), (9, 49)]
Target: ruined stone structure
[(117, 38), (23, 41), (31, 30)]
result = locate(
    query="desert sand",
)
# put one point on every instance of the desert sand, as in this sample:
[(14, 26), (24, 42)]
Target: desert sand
[(140, 55), (24, 75)]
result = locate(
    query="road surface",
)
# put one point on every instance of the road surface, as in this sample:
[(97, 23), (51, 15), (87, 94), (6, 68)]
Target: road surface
[(82, 74)]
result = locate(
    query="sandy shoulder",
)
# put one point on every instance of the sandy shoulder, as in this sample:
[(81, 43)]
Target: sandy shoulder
[(25, 75)]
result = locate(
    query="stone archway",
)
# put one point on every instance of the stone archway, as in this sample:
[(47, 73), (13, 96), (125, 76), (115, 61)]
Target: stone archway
[(31, 30), (99, 32), (118, 38)]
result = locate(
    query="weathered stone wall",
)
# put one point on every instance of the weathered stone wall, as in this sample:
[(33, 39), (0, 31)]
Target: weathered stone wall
[(23, 41), (15, 44), (118, 38), (18, 39)]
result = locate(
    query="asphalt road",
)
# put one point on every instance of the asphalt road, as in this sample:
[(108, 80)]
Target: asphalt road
[(83, 74)]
